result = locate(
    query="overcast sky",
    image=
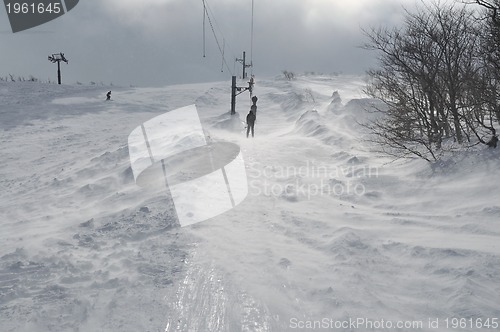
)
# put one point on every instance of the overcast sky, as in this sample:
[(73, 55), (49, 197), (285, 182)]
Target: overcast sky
[(159, 42)]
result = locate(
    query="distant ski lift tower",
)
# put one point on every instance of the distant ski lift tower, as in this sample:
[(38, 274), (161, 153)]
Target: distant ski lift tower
[(58, 58)]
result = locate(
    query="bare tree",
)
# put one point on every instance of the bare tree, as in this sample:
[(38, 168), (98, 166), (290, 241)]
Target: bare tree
[(489, 99), (288, 75), (428, 77)]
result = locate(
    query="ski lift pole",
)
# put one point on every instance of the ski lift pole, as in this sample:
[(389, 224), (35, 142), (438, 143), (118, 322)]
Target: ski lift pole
[(233, 95), (58, 72), (243, 61), (244, 66)]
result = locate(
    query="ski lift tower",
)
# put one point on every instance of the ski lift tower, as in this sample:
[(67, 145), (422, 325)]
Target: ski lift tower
[(58, 58), (237, 90)]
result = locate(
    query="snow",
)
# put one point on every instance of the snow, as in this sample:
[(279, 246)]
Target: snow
[(329, 229)]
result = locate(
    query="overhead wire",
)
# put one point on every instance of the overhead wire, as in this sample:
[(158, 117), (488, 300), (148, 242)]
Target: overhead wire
[(251, 42), (208, 13), (223, 49), (204, 34)]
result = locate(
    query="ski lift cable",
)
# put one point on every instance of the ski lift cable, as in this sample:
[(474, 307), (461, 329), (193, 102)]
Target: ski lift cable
[(209, 15), (251, 42), (218, 43), (204, 34), (217, 26), (223, 49)]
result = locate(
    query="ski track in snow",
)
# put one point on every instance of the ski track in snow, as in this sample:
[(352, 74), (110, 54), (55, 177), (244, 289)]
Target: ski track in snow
[(85, 249)]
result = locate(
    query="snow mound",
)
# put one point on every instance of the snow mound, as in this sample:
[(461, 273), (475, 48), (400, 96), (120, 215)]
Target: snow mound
[(362, 109), (76, 100), (310, 124), (336, 103), (228, 121), (289, 102)]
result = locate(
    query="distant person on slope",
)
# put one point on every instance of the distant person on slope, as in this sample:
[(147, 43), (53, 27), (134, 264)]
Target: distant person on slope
[(108, 95), (250, 122)]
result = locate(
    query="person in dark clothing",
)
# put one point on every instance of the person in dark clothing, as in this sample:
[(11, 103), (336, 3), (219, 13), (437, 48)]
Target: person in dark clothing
[(253, 109), (108, 95), (250, 122)]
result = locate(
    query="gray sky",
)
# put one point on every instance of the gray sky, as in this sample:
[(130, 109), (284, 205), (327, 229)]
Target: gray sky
[(159, 42)]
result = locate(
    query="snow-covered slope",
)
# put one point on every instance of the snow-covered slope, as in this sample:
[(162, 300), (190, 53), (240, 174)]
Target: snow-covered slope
[(329, 231)]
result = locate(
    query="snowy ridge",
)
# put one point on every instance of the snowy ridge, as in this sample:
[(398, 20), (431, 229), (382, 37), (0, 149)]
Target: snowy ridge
[(329, 229)]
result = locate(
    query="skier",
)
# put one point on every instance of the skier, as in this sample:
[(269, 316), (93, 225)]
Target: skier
[(250, 122), (108, 96)]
